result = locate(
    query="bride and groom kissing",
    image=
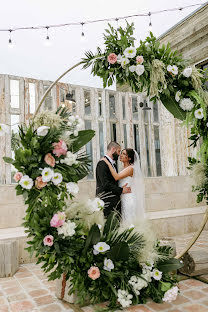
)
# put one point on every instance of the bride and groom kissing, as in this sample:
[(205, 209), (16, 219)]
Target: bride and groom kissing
[(123, 191)]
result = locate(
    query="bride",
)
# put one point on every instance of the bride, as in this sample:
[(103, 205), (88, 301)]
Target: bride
[(132, 204)]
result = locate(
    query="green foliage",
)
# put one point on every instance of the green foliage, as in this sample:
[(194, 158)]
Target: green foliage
[(169, 265)]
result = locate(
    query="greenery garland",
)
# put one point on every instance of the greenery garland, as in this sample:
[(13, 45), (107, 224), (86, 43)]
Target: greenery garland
[(162, 75)]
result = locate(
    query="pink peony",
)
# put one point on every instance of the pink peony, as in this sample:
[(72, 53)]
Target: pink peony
[(58, 219), (18, 175), (60, 148), (48, 240), (50, 160), (112, 58), (139, 59), (39, 183), (94, 273)]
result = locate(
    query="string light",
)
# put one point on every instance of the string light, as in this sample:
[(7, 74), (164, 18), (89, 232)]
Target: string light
[(117, 19), (150, 22), (82, 33), (10, 44), (47, 42)]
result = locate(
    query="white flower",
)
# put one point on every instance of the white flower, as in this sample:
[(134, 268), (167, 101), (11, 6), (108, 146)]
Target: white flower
[(187, 72), (72, 188), (67, 229), (138, 283), (147, 265), (124, 61), (75, 133), (130, 52), (26, 182), (156, 274), (124, 298), (47, 174), (132, 68), (172, 69), (101, 247), (199, 113), (3, 129), (131, 226), (207, 124), (57, 178), (139, 69), (119, 59), (72, 119), (186, 104), (42, 131), (70, 159), (177, 96), (171, 294), (99, 226), (95, 204), (147, 274), (108, 265)]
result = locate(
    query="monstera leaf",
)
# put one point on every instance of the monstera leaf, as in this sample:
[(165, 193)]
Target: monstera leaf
[(169, 265), (172, 106), (119, 252), (84, 137)]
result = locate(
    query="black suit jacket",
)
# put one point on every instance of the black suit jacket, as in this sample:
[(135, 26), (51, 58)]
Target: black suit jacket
[(105, 183)]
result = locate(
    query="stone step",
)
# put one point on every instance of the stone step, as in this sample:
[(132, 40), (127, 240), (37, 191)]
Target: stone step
[(17, 234)]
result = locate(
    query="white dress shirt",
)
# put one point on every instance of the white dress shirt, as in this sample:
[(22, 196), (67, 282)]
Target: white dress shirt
[(111, 161)]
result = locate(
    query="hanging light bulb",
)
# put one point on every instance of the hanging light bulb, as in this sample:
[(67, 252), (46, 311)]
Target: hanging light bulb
[(150, 23), (47, 42), (82, 33), (10, 44)]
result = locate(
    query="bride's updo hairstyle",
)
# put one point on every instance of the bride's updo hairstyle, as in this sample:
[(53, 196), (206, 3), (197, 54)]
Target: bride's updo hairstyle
[(130, 154)]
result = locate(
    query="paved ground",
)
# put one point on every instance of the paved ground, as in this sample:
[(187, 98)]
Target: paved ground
[(29, 291)]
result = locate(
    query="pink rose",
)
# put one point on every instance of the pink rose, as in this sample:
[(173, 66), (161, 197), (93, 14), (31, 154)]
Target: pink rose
[(18, 175), (60, 148), (112, 58), (94, 273), (58, 219), (139, 59), (48, 240), (39, 183), (50, 160)]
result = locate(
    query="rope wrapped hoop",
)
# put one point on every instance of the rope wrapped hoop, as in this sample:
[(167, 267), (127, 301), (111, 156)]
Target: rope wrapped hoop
[(205, 219)]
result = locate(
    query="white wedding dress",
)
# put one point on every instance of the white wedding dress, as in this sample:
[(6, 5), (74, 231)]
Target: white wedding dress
[(133, 204)]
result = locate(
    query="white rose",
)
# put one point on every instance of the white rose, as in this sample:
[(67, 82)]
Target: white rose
[(139, 69), (72, 188), (187, 72), (26, 182), (67, 229), (42, 131), (132, 68)]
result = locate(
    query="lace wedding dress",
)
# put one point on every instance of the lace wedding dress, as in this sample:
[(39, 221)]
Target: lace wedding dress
[(133, 204)]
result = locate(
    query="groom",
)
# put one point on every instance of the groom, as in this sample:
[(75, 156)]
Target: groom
[(106, 186)]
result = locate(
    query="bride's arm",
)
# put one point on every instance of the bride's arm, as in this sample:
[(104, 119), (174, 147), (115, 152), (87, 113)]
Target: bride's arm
[(123, 174)]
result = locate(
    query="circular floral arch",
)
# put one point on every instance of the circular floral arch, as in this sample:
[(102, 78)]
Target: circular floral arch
[(65, 238), (162, 74)]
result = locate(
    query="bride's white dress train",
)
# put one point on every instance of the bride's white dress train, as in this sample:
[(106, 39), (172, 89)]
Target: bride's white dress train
[(133, 204)]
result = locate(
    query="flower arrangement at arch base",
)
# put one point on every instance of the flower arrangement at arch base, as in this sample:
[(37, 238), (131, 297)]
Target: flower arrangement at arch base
[(104, 259)]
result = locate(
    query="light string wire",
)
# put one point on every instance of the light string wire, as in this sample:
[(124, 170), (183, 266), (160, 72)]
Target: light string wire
[(99, 20)]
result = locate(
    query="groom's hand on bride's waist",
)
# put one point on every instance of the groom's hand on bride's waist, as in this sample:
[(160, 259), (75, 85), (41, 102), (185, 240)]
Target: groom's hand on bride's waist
[(126, 189)]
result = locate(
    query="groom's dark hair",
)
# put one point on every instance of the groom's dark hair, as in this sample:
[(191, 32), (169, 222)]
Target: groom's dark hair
[(113, 144)]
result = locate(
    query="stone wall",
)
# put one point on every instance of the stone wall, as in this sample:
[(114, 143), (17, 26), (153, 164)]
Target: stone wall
[(170, 204), (190, 36)]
